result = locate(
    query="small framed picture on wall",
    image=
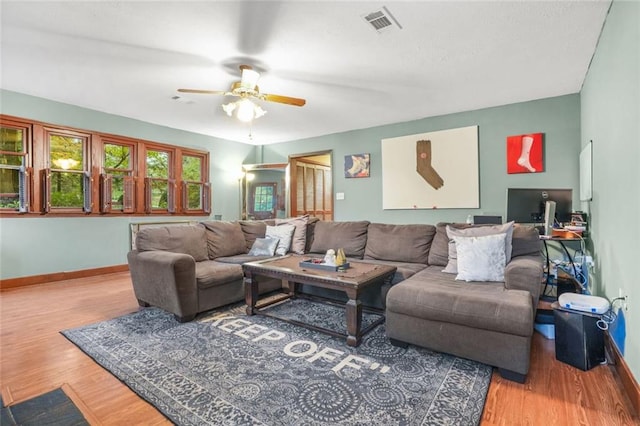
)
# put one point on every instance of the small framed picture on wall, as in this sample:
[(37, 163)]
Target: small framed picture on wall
[(525, 154), (356, 166)]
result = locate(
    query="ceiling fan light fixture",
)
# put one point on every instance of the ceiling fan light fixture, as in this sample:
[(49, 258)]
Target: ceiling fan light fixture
[(244, 109), (229, 108), (246, 89), (258, 111)]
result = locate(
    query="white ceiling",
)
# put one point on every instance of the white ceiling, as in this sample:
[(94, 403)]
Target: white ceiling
[(128, 58)]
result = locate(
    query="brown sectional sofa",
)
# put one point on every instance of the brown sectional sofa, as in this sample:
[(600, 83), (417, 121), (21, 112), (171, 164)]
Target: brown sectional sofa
[(191, 269)]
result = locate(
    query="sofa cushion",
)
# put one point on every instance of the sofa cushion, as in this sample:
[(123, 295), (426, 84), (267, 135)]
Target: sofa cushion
[(401, 243), (350, 236), (283, 234), (434, 295), (404, 270), (239, 259), (211, 273), (311, 229), (525, 241), (252, 229), (299, 239), (476, 231), (439, 253), (481, 258), (183, 239), (224, 239)]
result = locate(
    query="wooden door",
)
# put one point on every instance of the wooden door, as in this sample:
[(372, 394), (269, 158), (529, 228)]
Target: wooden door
[(311, 189)]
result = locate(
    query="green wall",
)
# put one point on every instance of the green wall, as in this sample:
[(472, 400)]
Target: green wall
[(40, 245), (610, 117), (68, 244), (558, 118)]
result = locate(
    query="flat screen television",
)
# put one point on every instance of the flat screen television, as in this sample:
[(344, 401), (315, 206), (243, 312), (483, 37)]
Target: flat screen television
[(527, 205)]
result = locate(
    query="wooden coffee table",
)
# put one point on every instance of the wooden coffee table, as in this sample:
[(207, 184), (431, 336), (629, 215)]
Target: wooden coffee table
[(352, 281)]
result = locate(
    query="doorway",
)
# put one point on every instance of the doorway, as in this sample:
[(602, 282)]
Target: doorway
[(311, 185)]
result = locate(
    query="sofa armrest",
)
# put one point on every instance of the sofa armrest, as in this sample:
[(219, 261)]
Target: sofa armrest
[(525, 273), (166, 280)]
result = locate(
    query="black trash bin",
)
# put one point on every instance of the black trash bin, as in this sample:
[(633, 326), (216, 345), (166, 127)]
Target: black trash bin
[(578, 339)]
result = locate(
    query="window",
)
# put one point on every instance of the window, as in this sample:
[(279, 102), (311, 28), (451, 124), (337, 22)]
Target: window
[(263, 202), (14, 170), (159, 185), (67, 181), (196, 192), (117, 184), (49, 169)]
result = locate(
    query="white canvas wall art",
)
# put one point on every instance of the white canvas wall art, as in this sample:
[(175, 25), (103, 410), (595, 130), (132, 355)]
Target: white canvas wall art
[(434, 170)]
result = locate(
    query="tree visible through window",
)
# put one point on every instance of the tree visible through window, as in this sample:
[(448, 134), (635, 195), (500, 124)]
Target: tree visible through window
[(66, 178), (159, 185), (117, 182), (193, 185)]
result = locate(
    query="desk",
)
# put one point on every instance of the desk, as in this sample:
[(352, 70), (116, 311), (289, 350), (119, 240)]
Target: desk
[(562, 241)]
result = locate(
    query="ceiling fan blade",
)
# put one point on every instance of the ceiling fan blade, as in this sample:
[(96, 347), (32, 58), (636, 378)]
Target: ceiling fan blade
[(284, 99), (203, 92)]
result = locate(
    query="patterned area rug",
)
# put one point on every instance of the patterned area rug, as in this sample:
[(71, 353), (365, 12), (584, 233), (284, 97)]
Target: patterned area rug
[(229, 368)]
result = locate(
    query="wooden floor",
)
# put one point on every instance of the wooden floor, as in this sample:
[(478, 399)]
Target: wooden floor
[(36, 358)]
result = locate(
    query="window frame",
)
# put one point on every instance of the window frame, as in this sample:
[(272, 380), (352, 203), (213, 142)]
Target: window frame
[(262, 214), (204, 183), (25, 170), (169, 180), (85, 172), (129, 179), (38, 161)]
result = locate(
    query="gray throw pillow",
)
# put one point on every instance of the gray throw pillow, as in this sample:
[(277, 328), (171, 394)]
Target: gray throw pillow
[(476, 231), (264, 247), (284, 233), (252, 229), (299, 239)]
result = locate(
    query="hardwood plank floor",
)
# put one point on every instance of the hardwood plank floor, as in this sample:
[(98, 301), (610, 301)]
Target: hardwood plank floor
[(36, 358)]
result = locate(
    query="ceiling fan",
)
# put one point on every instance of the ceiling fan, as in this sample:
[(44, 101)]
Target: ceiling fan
[(246, 89)]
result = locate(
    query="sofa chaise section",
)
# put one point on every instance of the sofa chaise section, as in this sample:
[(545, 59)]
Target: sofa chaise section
[(489, 322)]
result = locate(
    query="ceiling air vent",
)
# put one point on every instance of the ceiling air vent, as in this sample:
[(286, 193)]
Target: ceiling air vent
[(382, 20)]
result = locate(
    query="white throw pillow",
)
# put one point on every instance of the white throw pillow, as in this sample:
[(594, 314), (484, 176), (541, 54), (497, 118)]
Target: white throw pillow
[(477, 231), (299, 240), (284, 233), (481, 258)]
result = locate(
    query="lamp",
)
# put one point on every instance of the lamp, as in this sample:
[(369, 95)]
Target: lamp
[(245, 110)]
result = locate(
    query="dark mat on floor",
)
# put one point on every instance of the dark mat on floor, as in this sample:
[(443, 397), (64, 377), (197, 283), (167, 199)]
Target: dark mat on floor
[(53, 408)]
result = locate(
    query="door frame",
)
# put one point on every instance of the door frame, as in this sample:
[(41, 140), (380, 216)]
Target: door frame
[(293, 184)]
